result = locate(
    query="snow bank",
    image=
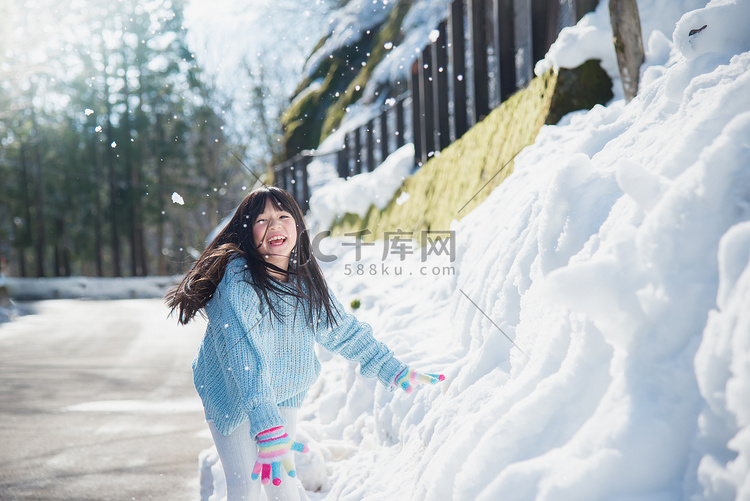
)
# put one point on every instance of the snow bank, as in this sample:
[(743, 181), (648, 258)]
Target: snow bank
[(358, 193), (616, 256), (591, 38), (24, 289)]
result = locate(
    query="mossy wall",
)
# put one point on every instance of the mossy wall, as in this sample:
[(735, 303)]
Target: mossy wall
[(450, 185), (310, 119)]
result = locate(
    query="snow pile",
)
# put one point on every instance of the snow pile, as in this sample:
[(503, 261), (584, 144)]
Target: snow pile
[(25, 289), (617, 257), (591, 38), (358, 193)]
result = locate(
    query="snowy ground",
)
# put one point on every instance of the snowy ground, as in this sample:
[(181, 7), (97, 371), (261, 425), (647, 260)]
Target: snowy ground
[(617, 259)]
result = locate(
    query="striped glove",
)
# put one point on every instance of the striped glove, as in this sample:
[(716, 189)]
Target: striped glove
[(274, 450), (408, 379)]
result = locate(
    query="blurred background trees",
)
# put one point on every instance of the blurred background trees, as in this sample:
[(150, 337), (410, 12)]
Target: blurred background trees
[(104, 113)]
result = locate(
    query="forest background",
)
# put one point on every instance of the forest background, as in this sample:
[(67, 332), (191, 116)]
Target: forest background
[(105, 112)]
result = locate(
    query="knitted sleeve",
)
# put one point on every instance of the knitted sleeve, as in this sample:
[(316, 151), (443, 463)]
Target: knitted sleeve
[(240, 349), (355, 341)]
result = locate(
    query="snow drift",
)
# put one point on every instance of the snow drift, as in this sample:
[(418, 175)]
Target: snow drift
[(617, 258)]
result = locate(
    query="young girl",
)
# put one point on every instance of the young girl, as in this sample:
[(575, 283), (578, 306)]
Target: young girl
[(267, 303)]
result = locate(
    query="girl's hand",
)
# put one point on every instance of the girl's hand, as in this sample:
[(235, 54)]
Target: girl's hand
[(274, 451), (408, 379)]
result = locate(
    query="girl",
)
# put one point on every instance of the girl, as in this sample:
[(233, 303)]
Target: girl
[(267, 303)]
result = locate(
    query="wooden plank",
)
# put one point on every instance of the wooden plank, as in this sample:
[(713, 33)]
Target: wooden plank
[(304, 203), (583, 7), (342, 159), (384, 137), (524, 42), (370, 145), (628, 40), (477, 14), (427, 119), (357, 151), (440, 88), (505, 47), (457, 58), (416, 113), (400, 124)]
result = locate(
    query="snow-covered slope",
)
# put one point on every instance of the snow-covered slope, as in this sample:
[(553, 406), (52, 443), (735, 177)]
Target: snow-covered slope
[(616, 257)]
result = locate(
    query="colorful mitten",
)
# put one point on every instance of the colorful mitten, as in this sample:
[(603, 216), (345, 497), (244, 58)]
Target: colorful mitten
[(408, 378), (274, 450)]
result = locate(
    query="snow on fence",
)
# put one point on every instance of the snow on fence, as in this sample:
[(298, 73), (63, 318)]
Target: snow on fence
[(480, 54)]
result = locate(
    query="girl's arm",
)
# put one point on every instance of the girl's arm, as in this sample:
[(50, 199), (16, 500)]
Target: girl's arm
[(355, 341)]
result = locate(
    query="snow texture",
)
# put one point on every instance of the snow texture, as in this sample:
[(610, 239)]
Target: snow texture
[(358, 193)]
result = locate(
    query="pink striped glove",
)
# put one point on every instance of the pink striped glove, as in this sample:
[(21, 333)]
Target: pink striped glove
[(408, 379), (274, 450)]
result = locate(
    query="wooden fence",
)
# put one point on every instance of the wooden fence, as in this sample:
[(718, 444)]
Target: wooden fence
[(480, 54)]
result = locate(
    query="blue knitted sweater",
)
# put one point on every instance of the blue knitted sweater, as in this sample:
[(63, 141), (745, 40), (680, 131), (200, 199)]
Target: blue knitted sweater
[(249, 364)]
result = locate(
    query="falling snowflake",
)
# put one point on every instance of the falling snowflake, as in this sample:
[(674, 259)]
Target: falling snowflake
[(177, 199)]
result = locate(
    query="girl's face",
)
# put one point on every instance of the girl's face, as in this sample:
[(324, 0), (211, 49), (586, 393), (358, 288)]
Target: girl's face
[(275, 234)]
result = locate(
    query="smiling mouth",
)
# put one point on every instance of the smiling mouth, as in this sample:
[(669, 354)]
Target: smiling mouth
[(276, 241)]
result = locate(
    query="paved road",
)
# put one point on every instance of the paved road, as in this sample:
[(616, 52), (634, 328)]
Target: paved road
[(97, 403)]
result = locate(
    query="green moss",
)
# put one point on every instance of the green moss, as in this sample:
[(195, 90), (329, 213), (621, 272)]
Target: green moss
[(390, 32), (299, 131), (580, 89)]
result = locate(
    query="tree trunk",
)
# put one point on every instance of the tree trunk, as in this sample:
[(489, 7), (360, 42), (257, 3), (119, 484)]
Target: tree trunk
[(113, 192), (626, 30), (161, 196), (138, 233), (127, 148), (39, 201), (26, 241), (98, 239)]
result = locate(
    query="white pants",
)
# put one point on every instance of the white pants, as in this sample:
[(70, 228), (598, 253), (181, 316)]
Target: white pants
[(238, 454)]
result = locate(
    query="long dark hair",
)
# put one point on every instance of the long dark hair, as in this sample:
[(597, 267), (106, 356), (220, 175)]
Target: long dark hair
[(236, 239)]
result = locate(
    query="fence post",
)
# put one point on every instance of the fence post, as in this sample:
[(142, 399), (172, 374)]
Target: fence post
[(305, 202), (293, 184), (342, 158), (440, 87), (400, 125), (384, 135), (280, 178), (545, 25), (370, 145), (504, 47), (357, 151), (477, 15), (426, 105), (583, 7), (524, 41), (457, 56), (416, 113)]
